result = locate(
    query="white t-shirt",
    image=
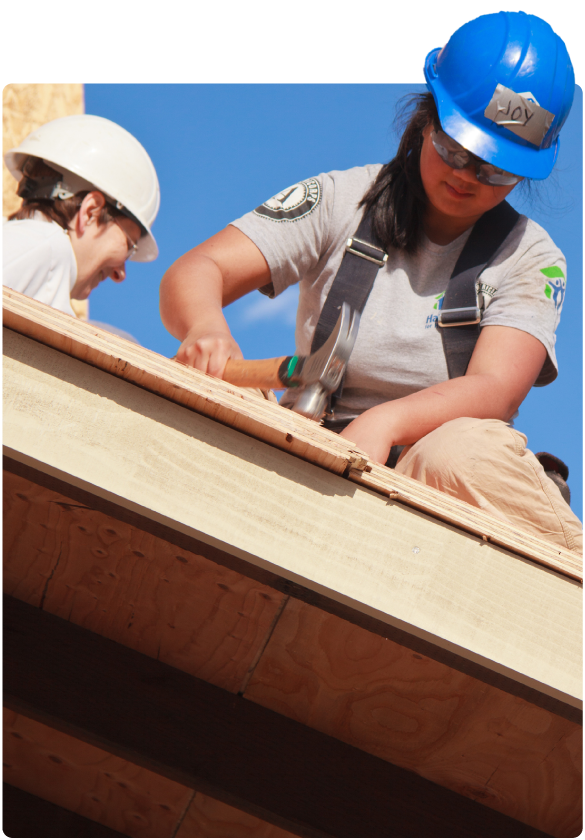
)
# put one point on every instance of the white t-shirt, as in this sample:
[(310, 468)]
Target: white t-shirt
[(302, 233), (38, 261)]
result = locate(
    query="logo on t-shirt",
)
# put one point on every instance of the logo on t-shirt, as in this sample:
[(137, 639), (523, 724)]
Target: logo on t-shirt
[(292, 204), (555, 286), (438, 305)]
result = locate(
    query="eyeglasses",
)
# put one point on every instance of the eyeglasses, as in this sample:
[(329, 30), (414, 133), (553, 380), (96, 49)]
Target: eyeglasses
[(455, 156), (132, 246)]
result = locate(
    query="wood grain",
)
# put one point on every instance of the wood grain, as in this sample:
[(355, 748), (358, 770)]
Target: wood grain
[(229, 404), (417, 713), (208, 817), (292, 518), (267, 422), (90, 781), (223, 745), (132, 587)]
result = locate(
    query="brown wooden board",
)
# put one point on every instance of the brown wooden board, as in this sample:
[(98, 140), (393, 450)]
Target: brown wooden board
[(222, 745), (25, 815), (30, 576), (207, 817), (90, 781), (104, 789), (133, 587), (413, 711)]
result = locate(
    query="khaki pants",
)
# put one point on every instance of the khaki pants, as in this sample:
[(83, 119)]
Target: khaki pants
[(486, 463)]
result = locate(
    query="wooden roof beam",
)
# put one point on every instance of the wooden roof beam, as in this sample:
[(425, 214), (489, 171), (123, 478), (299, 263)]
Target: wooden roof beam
[(26, 815), (232, 749)]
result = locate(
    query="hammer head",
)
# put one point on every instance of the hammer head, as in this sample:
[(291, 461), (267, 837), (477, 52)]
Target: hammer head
[(318, 375)]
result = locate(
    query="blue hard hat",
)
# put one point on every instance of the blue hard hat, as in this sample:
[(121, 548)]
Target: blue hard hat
[(503, 86)]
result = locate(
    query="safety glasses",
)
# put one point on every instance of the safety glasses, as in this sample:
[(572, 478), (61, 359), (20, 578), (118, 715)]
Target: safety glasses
[(132, 246), (455, 156)]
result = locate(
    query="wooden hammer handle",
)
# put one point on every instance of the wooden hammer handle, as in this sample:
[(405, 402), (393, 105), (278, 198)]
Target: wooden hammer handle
[(254, 373)]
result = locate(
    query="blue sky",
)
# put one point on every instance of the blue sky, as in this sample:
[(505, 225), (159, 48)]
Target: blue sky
[(221, 150)]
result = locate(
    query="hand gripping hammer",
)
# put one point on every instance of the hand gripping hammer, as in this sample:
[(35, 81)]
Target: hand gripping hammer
[(314, 377)]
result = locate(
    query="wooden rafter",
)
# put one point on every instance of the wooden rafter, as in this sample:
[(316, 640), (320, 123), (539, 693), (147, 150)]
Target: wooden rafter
[(221, 744)]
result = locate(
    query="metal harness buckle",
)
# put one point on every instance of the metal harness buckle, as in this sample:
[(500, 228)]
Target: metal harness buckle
[(366, 251), (459, 317)]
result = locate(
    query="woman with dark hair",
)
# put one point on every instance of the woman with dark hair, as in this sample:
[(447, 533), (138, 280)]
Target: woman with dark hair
[(499, 93)]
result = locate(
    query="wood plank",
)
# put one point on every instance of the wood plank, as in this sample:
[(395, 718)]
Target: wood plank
[(266, 421), (208, 817), (236, 407), (224, 746), (25, 815), (417, 713), (174, 542), (404, 490), (132, 587), (90, 781), (293, 519)]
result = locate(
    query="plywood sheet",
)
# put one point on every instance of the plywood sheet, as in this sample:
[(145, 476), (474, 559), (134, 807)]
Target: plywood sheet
[(132, 587), (419, 714), (207, 817), (89, 781)]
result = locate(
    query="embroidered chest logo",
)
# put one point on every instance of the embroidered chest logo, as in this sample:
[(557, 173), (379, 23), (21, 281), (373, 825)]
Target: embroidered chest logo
[(292, 204), (555, 286)]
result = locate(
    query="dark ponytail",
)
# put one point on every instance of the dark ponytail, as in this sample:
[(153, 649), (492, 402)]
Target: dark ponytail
[(397, 197)]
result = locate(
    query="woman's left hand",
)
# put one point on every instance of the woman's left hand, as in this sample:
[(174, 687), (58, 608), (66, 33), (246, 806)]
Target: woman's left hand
[(372, 432)]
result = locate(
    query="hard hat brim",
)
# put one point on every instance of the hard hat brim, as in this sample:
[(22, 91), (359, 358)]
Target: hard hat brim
[(490, 145)]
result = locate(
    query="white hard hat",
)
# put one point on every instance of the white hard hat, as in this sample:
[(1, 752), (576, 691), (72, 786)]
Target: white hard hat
[(94, 153)]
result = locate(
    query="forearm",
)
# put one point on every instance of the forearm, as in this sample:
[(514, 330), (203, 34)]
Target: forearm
[(191, 296), (407, 420), (482, 396)]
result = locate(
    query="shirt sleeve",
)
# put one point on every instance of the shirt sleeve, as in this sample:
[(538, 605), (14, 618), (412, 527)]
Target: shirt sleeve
[(291, 230), (38, 261), (528, 290)]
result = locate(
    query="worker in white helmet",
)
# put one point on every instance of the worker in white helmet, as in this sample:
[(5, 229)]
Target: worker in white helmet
[(90, 195)]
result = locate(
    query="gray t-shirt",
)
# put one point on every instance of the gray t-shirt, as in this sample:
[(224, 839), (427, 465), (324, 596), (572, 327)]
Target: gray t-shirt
[(302, 233)]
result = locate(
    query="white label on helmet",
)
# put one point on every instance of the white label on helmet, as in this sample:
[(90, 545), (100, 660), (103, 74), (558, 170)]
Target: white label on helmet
[(292, 204), (519, 113)]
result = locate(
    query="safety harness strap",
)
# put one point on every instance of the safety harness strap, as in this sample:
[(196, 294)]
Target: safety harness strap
[(459, 316), (460, 306), (354, 280)]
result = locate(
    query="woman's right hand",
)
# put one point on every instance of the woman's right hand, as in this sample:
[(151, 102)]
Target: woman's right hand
[(208, 351)]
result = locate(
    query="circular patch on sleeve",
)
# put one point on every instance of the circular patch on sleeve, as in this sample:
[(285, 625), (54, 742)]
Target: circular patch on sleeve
[(292, 204)]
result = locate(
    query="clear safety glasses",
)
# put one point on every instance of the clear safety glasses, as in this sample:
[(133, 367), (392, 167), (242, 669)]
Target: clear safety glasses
[(132, 246), (455, 156)]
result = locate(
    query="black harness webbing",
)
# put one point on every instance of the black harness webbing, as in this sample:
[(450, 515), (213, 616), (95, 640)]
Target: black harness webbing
[(355, 277), (459, 316)]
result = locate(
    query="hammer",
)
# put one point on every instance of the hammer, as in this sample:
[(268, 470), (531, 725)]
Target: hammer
[(315, 376)]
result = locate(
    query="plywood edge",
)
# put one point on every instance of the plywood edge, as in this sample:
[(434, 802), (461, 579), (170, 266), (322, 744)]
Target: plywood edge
[(267, 422), (402, 489), (228, 404)]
